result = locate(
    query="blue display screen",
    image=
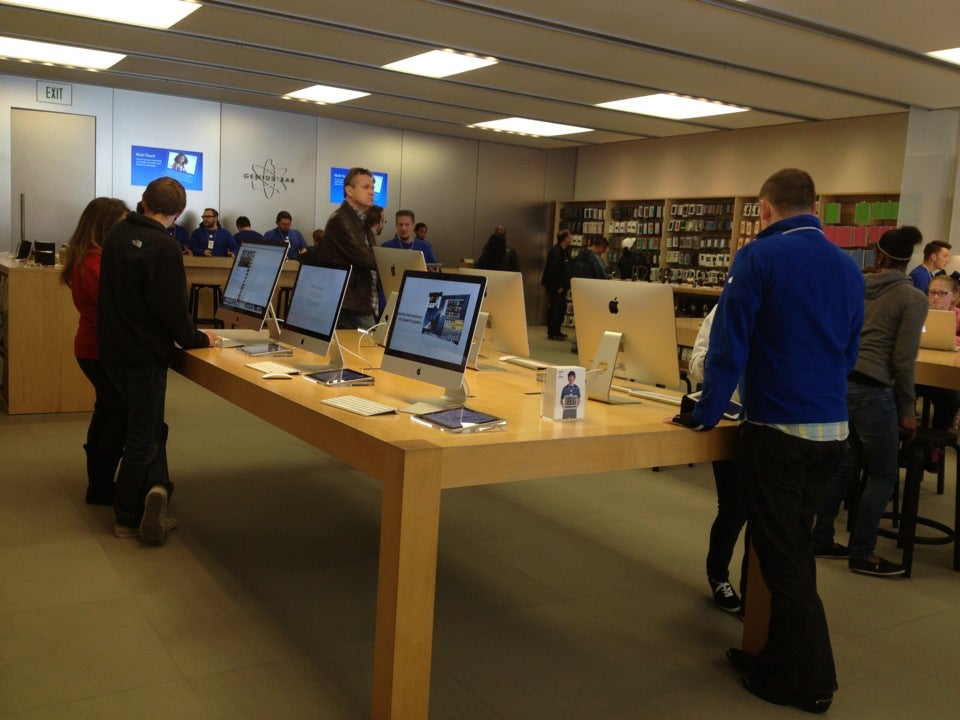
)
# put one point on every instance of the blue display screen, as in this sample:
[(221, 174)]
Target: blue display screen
[(337, 176)]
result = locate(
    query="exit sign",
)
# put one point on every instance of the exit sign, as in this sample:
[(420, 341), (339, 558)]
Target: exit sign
[(57, 93)]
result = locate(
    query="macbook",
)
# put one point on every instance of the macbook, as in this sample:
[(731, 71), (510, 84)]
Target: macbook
[(939, 331)]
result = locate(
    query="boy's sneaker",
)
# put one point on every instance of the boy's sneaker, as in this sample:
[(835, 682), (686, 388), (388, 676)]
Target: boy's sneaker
[(125, 531), (835, 551), (725, 596), (154, 525)]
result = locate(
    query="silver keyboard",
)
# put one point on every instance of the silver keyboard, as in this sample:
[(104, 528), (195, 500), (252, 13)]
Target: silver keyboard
[(525, 362), (359, 405), (649, 394), (269, 366)]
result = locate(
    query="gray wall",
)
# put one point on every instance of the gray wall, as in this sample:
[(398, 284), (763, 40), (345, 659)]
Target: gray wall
[(461, 188)]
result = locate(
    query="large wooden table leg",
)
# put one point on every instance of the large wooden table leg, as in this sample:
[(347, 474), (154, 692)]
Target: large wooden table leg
[(409, 530), (756, 620)]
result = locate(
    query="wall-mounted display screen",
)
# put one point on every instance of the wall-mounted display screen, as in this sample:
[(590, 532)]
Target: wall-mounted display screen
[(337, 176), (149, 163)]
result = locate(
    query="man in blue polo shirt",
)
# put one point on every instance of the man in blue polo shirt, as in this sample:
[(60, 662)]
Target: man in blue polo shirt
[(283, 231), (211, 240), (406, 240)]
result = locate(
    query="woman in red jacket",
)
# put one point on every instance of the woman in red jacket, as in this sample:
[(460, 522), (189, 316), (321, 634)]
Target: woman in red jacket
[(81, 272)]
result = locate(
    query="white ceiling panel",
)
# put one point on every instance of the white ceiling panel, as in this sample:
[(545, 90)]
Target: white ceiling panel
[(796, 61)]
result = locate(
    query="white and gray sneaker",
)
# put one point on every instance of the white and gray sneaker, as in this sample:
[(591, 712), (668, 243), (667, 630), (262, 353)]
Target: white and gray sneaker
[(156, 523), (725, 596)]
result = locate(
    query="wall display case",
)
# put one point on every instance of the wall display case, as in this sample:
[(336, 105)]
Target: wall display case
[(692, 241), (856, 222)]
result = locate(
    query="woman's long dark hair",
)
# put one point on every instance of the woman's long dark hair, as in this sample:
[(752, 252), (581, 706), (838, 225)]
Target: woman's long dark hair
[(97, 218)]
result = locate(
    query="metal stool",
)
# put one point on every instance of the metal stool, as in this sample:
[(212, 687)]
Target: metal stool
[(217, 297), (906, 533), (284, 296)]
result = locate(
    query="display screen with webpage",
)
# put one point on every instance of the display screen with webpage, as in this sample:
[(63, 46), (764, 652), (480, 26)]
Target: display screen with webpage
[(254, 276), (434, 318), (316, 300)]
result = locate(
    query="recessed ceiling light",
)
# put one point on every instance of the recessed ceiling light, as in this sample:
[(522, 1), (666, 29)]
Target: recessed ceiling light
[(16, 49), (325, 94), (951, 55), (669, 106), (440, 63), (148, 13), (523, 126)]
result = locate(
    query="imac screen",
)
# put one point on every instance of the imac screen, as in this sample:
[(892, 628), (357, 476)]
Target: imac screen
[(253, 278), (503, 300), (315, 306), (643, 312), (433, 325), (392, 263)]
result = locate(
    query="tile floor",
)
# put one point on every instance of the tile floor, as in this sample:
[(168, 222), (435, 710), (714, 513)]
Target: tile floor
[(571, 598)]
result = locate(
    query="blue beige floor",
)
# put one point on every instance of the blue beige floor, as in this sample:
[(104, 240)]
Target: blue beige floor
[(572, 598)]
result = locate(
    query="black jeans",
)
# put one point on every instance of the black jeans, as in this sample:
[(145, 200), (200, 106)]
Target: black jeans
[(731, 516), (784, 478), (105, 435), (144, 463), (556, 311)]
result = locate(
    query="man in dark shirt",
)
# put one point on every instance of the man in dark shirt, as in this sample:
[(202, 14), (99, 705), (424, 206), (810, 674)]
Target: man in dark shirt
[(245, 231), (556, 281), (348, 240), (142, 312)]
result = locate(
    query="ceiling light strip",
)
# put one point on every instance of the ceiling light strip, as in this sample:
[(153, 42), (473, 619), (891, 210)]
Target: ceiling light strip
[(478, 8)]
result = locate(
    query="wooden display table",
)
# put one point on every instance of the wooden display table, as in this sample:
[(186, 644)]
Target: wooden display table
[(413, 464)]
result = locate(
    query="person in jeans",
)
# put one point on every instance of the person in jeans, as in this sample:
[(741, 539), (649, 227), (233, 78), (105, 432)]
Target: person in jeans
[(787, 325), (141, 315), (882, 405)]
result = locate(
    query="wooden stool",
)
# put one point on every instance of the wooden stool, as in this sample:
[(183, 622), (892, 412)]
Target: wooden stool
[(217, 297)]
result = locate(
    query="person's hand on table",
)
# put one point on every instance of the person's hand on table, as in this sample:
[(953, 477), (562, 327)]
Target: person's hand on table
[(686, 420)]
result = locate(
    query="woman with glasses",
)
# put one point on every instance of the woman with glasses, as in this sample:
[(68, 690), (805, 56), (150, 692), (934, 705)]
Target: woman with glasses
[(942, 294)]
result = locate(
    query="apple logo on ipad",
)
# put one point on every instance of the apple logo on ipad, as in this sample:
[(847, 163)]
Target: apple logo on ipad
[(614, 306)]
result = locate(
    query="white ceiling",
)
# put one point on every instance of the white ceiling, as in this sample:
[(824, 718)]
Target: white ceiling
[(787, 60)]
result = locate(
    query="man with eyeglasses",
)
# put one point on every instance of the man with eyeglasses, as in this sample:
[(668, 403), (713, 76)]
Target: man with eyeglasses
[(936, 255), (211, 240)]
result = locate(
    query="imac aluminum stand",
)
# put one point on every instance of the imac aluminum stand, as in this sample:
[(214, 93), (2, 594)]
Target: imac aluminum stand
[(451, 398), (474, 357), (272, 322), (600, 374), (379, 331), (334, 353)]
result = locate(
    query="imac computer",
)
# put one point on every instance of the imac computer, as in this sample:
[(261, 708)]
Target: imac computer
[(45, 253), (392, 263), (431, 333), (247, 298), (506, 314), (311, 322), (627, 330)]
